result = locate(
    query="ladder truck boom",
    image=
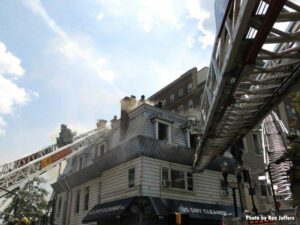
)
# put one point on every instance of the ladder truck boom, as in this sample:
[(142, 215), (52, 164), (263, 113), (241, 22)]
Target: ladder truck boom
[(16, 173)]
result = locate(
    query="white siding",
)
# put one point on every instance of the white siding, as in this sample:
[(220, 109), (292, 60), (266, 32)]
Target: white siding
[(206, 184), (115, 181), (76, 217)]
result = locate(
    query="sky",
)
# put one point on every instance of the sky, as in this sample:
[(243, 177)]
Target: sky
[(72, 61)]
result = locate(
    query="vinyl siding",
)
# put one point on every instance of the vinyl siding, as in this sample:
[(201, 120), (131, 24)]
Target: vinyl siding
[(206, 184)]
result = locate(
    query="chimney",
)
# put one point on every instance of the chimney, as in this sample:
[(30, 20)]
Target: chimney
[(126, 103), (101, 124)]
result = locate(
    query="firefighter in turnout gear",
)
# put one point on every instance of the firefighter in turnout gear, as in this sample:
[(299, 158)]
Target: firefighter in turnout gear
[(293, 153), (65, 136)]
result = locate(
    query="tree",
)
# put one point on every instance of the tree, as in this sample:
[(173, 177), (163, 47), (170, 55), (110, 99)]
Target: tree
[(296, 100), (32, 201)]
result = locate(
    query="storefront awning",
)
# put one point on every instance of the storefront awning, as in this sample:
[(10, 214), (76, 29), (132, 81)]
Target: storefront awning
[(200, 210), (115, 209), (108, 210)]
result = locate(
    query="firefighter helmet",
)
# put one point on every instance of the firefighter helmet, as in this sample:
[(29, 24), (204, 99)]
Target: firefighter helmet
[(24, 221)]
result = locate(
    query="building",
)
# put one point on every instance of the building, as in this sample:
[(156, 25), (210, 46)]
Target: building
[(183, 96), (139, 172)]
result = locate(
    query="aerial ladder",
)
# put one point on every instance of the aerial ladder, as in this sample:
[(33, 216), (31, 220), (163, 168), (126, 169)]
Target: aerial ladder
[(246, 79), (15, 174)]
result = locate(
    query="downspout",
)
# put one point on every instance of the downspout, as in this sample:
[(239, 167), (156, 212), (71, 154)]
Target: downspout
[(68, 211)]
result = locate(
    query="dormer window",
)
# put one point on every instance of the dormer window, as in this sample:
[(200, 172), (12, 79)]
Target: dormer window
[(172, 98), (164, 133), (190, 87), (80, 163), (180, 92)]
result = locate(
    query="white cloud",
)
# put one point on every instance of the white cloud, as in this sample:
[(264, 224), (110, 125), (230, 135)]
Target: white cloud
[(100, 16), (152, 13), (11, 95), (190, 41), (71, 48), (10, 64), (196, 11), (2, 126)]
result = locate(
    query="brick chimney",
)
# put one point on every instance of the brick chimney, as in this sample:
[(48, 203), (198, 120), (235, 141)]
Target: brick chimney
[(127, 105)]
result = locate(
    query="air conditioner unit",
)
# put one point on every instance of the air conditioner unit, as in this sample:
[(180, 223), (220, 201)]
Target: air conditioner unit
[(165, 183)]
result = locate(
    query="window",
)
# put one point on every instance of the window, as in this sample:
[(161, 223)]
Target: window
[(99, 192), (190, 87), (263, 187), (77, 201), (59, 206), (101, 150), (193, 140), (190, 183), (86, 198), (171, 178), (131, 175), (80, 163), (163, 132), (180, 109), (164, 103), (172, 98), (165, 178), (177, 179), (257, 143), (180, 93), (191, 105), (224, 188)]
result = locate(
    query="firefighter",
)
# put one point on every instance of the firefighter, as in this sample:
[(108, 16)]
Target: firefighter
[(65, 136), (293, 153), (24, 221)]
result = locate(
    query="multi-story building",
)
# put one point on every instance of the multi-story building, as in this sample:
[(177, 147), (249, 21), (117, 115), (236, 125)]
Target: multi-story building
[(183, 96), (139, 172)]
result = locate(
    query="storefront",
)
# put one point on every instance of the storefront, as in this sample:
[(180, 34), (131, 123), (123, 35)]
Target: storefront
[(156, 211)]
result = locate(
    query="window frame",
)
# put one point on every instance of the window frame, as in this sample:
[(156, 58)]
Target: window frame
[(180, 92), (181, 108), (190, 87), (77, 201), (224, 191), (80, 162), (172, 98), (169, 130), (169, 180), (131, 183), (86, 198)]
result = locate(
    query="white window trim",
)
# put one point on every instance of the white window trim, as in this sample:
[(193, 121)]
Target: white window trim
[(170, 179), (169, 129)]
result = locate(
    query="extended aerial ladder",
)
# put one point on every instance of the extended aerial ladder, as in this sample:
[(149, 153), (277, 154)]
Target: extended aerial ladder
[(246, 80), (16, 173)]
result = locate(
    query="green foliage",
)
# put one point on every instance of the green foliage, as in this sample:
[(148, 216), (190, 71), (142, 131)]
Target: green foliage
[(32, 201), (296, 101)]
